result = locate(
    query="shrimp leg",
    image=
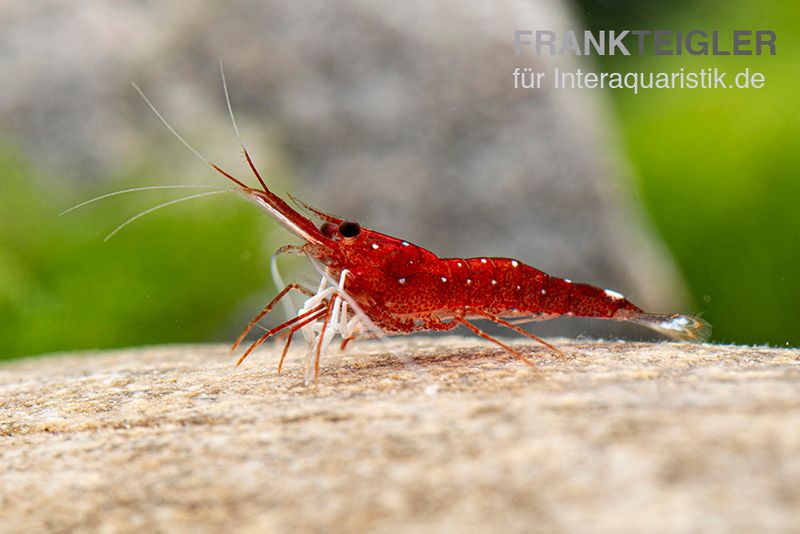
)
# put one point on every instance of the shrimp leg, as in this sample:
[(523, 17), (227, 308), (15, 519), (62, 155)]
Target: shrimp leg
[(322, 340), (292, 331), (484, 335), (519, 330), (278, 328), (267, 309)]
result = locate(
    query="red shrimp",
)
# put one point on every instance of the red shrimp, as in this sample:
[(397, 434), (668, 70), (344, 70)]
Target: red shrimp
[(381, 284)]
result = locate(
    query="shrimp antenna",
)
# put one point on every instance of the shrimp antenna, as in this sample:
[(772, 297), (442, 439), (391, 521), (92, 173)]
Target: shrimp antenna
[(236, 128), (184, 141), (134, 189), (165, 204), (308, 208)]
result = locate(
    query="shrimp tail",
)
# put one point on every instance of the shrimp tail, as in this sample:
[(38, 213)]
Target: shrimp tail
[(678, 327)]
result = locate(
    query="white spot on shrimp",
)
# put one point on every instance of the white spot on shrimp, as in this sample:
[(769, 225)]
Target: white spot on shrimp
[(402, 280), (404, 243), (543, 291), (519, 287), (494, 282), (410, 262), (469, 281), (458, 263), (613, 294), (514, 263), (567, 280), (444, 279), (483, 260), (375, 246)]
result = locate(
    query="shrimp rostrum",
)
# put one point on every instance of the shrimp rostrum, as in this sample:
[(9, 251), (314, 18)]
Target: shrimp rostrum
[(374, 284)]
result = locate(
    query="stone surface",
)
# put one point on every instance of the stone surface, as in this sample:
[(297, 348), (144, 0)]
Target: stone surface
[(456, 436)]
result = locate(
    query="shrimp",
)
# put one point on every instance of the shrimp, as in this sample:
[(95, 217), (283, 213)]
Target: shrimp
[(373, 284)]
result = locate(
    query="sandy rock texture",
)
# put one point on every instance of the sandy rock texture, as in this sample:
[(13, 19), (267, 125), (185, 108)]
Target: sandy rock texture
[(617, 437)]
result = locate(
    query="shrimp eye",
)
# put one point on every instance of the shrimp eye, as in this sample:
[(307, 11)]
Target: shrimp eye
[(328, 229), (349, 229)]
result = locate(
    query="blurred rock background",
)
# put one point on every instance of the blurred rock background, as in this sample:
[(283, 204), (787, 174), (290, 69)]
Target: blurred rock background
[(400, 115)]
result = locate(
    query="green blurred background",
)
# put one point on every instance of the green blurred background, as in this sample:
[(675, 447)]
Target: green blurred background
[(717, 171)]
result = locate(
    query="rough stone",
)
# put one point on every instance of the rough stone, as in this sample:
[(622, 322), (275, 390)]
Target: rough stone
[(454, 436)]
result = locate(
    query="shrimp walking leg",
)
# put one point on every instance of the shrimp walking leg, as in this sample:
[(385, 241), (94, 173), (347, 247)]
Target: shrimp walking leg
[(292, 331), (484, 335), (519, 330), (335, 321), (322, 341), (277, 329), (268, 308)]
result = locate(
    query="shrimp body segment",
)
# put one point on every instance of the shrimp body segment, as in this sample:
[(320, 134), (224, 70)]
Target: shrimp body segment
[(404, 288)]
